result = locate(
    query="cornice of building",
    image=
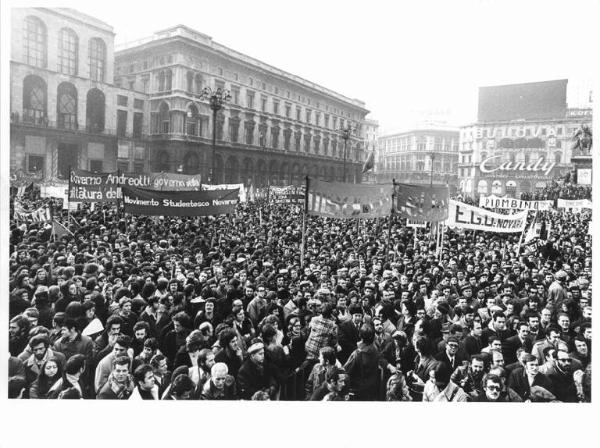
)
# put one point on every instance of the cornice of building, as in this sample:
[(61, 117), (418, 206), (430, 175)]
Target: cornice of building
[(182, 32)]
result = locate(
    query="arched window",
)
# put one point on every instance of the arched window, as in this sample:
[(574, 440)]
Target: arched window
[(97, 59), (94, 114), (66, 106), (34, 99), (34, 42), (191, 163), (496, 187), (482, 187), (511, 188), (169, 80), (162, 163), (190, 82), (68, 46)]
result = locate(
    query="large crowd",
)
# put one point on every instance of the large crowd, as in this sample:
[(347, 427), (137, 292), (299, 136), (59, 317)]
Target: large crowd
[(220, 308)]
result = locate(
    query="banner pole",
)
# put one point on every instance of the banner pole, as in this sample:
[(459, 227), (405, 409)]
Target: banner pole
[(69, 198), (119, 199), (521, 237), (441, 243), (304, 224), (389, 236)]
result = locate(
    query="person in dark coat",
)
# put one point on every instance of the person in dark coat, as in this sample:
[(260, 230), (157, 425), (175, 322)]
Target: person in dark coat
[(523, 380), (363, 367), (451, 356), (563, 384), (18, 335), (512, 344), (348, 333), (230, 352), (74, 369), (255, 375)]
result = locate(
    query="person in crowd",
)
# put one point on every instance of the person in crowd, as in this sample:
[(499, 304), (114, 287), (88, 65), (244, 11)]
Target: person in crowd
[(120, 384), (72, 378), (220, 386), (145, 384), (50, 372), (254, 374)]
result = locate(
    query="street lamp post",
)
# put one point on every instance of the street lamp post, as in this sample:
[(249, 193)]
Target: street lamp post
[(216, 99), (345, 133), (431, 172)]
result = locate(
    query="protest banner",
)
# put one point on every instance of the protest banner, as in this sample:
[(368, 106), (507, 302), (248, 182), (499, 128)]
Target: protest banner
[(415, 223), (422, 202), (577, 204), (466, 216), (288, 194), (494, 201), (88, 186), (209, 187), (140, 201), (344, 200)]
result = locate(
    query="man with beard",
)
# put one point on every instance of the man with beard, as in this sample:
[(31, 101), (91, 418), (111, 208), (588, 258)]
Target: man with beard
[(535, 332), (492, 390), (255, 375), (563, 384), (41, 352), (18, 331), (469, 376), (119, 384)]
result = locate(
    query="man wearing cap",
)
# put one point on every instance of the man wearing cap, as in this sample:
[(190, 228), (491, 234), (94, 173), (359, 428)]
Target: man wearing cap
[(255, 375), (556, 291)]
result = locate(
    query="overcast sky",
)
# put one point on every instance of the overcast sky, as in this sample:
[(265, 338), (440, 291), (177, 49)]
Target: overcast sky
[(402, 59)]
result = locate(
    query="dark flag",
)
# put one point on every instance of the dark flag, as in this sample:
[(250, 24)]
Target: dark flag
[(369, 163)]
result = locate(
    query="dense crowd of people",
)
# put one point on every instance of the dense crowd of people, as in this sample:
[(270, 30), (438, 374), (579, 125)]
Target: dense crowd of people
[(220, 308), (563, 189)]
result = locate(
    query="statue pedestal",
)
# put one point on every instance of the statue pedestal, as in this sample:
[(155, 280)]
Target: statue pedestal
[(582, 165)]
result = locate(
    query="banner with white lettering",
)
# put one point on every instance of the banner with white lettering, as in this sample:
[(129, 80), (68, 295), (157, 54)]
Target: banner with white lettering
[(475, 218), (209, 187), (88, 186), (415, 223), (140, 201), (574, 203), (345, 200), (494, 201), (422, 202), (288, 194)]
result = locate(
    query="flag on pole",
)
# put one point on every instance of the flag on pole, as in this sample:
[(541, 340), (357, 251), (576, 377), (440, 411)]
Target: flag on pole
[(369, 163), (531, 232), (59, 230)]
